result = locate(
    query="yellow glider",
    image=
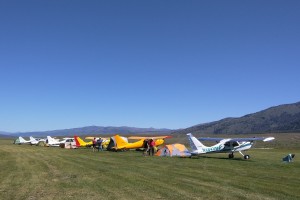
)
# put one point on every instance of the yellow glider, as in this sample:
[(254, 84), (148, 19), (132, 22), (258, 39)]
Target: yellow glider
[(124, 145), (91, 138), (150, 137)]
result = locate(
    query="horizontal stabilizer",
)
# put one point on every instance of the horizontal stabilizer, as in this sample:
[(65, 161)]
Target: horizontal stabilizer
[(148, 137), (238, 139), (268, 139), (92, 138)]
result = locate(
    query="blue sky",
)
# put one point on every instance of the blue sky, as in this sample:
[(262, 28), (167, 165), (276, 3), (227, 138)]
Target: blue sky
[(162, 64)]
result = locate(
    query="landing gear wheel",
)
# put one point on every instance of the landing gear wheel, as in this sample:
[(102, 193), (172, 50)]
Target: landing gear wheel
[(231, 155), (246, 157)]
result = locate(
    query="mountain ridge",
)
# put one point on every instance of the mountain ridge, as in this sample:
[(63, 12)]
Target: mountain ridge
[(276, 119), (92, 130)]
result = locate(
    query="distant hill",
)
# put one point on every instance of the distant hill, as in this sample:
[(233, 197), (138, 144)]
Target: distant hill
[(4, 133), (5, 136), (278, 119), (94, 130)]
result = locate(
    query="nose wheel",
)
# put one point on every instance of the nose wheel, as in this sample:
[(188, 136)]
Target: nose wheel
[(246, 157)]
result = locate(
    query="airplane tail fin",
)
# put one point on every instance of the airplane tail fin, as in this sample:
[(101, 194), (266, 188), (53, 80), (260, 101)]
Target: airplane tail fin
[(22, 140), (51, 140), (79, 141), (120, 141), (32, 139), (194, 142)]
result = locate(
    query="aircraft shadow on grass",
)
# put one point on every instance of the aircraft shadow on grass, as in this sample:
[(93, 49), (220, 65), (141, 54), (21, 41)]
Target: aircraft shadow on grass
[(219, 158)]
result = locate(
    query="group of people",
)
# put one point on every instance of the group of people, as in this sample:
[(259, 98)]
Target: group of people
[(149, 147), (97, 144)]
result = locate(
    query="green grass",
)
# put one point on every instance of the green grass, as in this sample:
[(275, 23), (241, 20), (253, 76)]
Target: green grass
[(32, 172)]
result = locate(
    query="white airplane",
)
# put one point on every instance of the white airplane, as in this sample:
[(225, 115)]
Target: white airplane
[(67, 139), (35, 141), (53, 142), (56, 142), (21, 140), (69, 142), (229, 145)]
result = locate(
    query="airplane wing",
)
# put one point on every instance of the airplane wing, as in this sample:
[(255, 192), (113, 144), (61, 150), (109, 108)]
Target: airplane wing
[(265, 139), (148, 137), (91, 138)]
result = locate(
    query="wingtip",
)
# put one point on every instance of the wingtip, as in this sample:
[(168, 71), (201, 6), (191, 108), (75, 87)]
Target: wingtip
[(268, 139)]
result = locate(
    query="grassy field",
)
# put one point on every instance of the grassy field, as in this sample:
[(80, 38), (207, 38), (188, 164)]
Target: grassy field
[(32, 172)]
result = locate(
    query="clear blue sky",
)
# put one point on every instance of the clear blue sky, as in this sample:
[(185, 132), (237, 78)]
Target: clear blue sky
[(163, 64)]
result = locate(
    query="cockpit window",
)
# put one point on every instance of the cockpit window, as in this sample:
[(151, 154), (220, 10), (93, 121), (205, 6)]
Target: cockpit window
[(234, 144), (227, 144)]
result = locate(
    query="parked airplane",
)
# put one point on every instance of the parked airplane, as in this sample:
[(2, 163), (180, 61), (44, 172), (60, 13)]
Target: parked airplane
[(124, 145), (52, 142), (69, 143), (35, 141), (224, 145), (21, 140)]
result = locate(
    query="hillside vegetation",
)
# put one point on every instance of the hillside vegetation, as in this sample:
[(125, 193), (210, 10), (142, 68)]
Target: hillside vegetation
[(278, 119), (93, 130), (283, 118)]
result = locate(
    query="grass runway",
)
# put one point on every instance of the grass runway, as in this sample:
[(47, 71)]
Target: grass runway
[(33, 172)]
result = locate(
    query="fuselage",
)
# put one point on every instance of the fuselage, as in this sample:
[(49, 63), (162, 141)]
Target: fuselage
[(228, 147), (139, 144)]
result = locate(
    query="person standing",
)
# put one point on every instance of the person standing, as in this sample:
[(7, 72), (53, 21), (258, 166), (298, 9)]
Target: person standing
[(146, 147), (151, 147), (99, 143), (94, 144)]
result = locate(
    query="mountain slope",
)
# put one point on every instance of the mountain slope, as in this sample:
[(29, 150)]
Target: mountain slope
[(95, 130), (282, 118)]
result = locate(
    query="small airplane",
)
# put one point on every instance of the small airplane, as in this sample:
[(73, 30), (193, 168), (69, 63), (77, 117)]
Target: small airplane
[(31, 141), (81, 143), (124, 145), (67, 139), (224, 145), (35, 141), (69, 143), (21, 140), (53, 142)]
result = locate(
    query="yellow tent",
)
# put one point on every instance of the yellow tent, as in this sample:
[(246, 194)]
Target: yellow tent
[(174, 150)]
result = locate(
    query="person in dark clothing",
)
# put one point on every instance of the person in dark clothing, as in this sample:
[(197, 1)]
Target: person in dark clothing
[(146, 147), (99, 143)]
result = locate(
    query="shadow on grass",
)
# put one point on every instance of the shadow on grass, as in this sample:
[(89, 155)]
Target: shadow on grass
[(219, 158)]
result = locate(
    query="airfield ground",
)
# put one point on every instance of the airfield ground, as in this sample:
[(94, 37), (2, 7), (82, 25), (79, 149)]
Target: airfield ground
[(33, 172)]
